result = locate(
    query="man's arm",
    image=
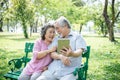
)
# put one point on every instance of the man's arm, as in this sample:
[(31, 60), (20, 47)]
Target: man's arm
[(54, 55), (77, 53), (65, 60)]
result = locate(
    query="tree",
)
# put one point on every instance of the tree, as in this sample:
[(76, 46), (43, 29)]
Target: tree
[(110, 20), (3, 7), (21, 14), (100, 26), (97, 18), (31, 16), (24, 13), (52, 9), (83, 13)]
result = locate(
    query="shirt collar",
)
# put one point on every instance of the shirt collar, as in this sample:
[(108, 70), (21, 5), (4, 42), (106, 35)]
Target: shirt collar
[(70, 34)]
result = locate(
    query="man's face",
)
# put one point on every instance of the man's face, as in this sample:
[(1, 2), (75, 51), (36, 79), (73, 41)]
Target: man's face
[(60, 30)]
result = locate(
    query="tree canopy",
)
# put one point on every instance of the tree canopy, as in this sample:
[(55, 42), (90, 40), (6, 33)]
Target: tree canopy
[(77, 11)]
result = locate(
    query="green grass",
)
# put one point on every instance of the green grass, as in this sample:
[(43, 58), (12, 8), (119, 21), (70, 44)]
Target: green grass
[(11, 46), (104, 62)]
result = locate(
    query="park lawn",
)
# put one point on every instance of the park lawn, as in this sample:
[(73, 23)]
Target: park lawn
[(104, 62)]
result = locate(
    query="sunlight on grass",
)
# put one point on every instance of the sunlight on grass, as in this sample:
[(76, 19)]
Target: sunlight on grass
[(103, 53), (104, 62)]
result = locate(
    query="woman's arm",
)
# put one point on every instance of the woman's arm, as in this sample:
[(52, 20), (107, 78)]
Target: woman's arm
[(38, 53), (41, 54)]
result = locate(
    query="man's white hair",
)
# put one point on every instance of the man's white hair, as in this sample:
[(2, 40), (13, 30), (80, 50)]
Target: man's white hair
[(62, 21)]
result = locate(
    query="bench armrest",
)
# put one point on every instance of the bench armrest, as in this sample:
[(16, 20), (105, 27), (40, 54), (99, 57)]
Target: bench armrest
[(81, 72), (18, 63), (15, 64)]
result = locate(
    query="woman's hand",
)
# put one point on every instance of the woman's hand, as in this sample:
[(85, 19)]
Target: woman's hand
[(43, 53), (53, 49)]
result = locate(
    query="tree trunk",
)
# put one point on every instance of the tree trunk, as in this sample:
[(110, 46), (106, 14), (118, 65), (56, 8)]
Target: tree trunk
[(105, 33), (25, 29), (109, 23), (1, 29), (35, 27), (31, 29), (1, 24), (80, 28), (104, 29), (111, 34), (7, 25)]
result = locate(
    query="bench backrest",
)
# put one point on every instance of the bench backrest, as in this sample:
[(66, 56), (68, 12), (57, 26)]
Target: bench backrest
[(86, 54), (82, 71), (28, 48)]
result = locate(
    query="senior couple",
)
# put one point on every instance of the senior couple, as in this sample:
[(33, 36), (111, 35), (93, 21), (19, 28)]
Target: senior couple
[(46, 63)]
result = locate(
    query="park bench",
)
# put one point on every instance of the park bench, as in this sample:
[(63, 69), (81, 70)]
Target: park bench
[(82, 71), (17, 65)]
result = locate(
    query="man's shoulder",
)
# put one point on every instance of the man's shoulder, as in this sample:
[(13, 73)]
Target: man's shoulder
[(76, 34)]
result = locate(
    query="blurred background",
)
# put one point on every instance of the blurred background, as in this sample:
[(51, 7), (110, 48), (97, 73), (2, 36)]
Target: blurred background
[(97, 20)]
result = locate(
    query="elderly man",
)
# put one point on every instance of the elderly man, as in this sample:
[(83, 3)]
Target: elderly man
[(64, 64)]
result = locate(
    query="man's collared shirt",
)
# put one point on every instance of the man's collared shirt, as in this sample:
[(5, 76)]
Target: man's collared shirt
[(57, 67)]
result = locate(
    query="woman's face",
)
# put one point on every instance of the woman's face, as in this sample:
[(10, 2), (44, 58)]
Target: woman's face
[(50, 33)]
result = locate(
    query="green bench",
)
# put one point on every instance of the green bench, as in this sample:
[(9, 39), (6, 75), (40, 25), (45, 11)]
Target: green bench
[(82, 71), (17, 65)]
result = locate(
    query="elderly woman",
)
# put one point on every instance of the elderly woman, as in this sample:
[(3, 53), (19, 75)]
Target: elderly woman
[(41, 54)]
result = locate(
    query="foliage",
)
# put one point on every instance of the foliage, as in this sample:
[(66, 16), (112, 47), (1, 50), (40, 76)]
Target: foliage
[(79, 12), (3, 8), (99, 24), (110, 19), (23, 13), (53, 9), (78, 3)]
